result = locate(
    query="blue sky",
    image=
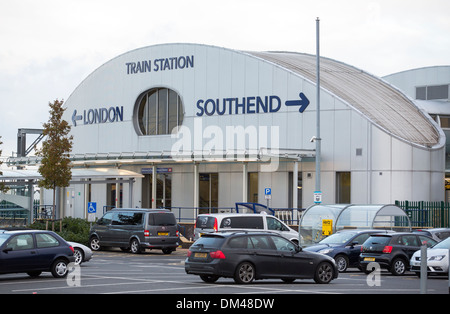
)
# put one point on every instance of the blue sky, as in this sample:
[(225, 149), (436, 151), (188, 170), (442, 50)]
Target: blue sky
[(49, 46)]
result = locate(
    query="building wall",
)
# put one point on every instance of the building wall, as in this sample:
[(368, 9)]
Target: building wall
[(383, 168)]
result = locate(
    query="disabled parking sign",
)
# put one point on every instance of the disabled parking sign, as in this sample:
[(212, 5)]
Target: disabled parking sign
[(92, 207)]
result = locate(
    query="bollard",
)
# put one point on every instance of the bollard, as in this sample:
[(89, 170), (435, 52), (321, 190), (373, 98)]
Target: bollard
[(423, 269)]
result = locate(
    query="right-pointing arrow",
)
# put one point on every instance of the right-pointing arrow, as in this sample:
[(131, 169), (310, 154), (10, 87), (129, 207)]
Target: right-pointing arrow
[(303, 102)]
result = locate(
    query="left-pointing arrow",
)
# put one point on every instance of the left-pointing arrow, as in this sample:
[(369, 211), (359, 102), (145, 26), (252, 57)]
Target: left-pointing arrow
[(75, 118), (303, 102)]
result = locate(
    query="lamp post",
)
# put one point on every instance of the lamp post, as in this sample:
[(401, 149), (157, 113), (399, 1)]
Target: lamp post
[(318, 192)]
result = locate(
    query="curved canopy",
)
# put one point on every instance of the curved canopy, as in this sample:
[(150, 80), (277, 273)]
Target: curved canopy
[(383, 217)]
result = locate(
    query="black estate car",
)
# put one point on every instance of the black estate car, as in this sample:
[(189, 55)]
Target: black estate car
[(34, 251), (246, 256), (392, 251)]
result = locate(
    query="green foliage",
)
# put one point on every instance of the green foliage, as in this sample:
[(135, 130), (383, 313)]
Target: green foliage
[(73, 229), (55, 164), (55, 168)]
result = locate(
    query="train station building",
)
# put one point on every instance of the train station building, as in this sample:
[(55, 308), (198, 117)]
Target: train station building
[(199, 128)]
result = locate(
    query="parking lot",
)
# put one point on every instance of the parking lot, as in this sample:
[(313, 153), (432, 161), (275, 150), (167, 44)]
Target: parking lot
[(115, 272)]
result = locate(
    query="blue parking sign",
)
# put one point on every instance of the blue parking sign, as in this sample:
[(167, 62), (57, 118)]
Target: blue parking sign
[(92, 207), (267, 191)]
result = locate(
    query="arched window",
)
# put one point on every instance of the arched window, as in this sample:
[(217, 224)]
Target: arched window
[(158, 111)]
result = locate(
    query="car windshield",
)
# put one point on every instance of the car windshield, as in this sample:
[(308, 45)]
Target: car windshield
[(3, 238), (443, 244), (338, 238)]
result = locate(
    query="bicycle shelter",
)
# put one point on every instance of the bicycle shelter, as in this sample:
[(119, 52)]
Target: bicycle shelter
[(351, 216)]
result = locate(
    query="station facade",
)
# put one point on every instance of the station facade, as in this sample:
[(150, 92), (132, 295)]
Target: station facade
[(203, 127)]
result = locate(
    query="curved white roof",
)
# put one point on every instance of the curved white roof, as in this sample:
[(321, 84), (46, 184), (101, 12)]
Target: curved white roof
[(378, 101)]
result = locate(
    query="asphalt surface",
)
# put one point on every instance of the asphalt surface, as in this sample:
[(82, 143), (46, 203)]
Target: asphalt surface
[(116, 272)]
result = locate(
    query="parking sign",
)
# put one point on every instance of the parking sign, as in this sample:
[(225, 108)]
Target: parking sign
[(92, 207)]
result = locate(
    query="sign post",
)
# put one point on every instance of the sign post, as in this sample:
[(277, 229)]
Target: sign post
[(268, 195)]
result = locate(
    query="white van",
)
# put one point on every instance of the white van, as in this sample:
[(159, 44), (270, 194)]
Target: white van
[(207, 223)]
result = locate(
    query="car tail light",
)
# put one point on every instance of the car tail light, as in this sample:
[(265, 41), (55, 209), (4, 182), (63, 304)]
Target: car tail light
[(215, 225), (73, 251), (189, 252), (387, 249), (177, 233), (146, 233), (217, 254)]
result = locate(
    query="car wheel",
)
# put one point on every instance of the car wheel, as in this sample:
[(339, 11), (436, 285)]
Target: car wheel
[(245, 273), (94, 244), (167, 250), (79, 256), (209, 278), (324, 273), (135, 248), (398, 267), (341, 263), (60, 268)]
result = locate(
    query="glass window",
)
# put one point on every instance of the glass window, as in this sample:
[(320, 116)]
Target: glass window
[(343, 187), (131, 219), (240, 243), (158, 111), (106, 219), (46, 240), (275, 224), (242, 222), (21, 242), (262, 242), (427, 241), (283, 245)]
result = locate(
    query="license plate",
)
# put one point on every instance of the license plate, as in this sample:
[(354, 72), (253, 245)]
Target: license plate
[(369, 259), (163, 233), (201, 255)]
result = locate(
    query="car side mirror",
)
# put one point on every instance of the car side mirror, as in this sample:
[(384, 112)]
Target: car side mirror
[(298, 248)]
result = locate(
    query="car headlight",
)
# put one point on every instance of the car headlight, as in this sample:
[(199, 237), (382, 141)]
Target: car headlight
[(326, 251), (436, 258)]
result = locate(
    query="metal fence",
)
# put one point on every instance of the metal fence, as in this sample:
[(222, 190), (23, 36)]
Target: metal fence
[(427, 214)]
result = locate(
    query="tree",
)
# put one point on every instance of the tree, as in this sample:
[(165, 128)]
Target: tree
[(55, 165)]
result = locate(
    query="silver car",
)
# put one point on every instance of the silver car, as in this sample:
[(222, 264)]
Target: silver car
[(81, 252)]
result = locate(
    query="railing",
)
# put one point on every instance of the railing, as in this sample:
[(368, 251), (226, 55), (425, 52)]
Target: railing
[(427, 214)]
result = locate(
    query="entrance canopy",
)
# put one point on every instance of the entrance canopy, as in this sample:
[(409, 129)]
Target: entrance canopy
[(22, 181), (345, 216)]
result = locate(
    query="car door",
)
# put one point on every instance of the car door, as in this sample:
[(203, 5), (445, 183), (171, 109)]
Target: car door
[(19, 253), (354, 248), (47, 248), (409, 244), (291, 262), (103, 228), (265, 255)]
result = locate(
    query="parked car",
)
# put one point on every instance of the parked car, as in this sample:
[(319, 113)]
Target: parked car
[(136, 229), (81, 252), (438, 234), (344, 246), (392, 251), (437, 259), (34, 251), (207, 223), (246, 256)]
